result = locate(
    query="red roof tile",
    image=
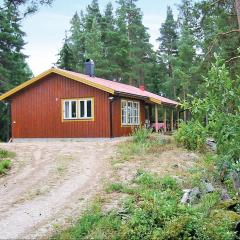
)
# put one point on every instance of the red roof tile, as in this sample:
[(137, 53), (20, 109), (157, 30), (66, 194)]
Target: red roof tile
[(123, 88)]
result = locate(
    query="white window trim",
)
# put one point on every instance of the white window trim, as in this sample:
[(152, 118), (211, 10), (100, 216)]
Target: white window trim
[(78, 117), (132, 113)]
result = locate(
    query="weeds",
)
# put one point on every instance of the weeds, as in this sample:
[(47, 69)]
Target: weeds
[(143, 142), (5, 162), (6, 154), (152, 206), (4, 166), (153, 211), (141, 134)]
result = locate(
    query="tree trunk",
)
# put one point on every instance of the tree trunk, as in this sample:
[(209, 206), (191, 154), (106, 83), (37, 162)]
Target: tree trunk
[(237, 5), (184, 112)]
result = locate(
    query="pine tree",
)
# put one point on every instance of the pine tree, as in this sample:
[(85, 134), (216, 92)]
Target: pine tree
[(134, 47), (13, 67), (92, 12), (109, 39), (155, 72), (94, 46), (77, 41), (168, 49), (185, 62), (66, 58)]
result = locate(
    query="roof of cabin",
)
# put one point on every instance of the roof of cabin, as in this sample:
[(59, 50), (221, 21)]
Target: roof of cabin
[(103, 84)]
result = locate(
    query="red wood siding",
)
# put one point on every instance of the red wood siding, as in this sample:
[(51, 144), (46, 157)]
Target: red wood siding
[(119, 130), (37, 110)]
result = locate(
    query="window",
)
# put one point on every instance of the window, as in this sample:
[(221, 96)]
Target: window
[(130, 112), (78, 109)]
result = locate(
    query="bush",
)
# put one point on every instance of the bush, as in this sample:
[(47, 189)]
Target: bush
[(141, 134), (191, 135), (4, 165), (153, 211)]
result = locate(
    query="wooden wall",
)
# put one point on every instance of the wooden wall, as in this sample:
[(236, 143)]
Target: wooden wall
[(37, 111), (118, 129)]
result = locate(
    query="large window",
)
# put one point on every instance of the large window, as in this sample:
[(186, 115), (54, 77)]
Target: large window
[(78, 109), (130, 112)]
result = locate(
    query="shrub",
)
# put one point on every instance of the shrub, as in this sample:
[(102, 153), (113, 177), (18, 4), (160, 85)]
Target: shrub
[(4, 165), (141, 134), (191, 135)]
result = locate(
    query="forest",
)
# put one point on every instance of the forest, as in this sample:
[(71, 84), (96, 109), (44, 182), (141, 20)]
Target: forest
[(198, 50), (196, 64)]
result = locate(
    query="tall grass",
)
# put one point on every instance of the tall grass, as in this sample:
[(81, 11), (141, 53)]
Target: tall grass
[(141, 134)]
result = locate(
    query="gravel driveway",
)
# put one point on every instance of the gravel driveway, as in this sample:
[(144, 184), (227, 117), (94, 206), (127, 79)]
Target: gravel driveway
[(50, 184)]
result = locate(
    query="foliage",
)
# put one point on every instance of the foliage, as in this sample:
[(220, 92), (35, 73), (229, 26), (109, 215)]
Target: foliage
[(4, 165), (221, 106), (141, 134), (168, 50), (5, 162), (153, 211), (6, 154), (192, 135), (29, 6), (115, 187), (13, 67)]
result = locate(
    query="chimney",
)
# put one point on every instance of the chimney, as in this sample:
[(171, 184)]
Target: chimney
[(142, 87), (89, 67)]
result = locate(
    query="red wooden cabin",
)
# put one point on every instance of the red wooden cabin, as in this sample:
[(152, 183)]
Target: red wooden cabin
[(64, 104)]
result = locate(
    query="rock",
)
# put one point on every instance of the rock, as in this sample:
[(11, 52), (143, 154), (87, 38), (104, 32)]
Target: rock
[(224, 195), (211, 144), (175, 165), (185, 198), (194, 194), (236, 181), (208, 187)]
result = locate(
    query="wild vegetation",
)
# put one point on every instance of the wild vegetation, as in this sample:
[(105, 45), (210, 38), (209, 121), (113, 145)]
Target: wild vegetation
[(152, 208), (118, 42), (5, 162)]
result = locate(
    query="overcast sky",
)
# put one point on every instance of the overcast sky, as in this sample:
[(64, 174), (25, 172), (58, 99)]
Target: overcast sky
[(46, 29)]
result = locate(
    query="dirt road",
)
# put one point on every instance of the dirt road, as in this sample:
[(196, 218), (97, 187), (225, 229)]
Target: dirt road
[(49, 184)]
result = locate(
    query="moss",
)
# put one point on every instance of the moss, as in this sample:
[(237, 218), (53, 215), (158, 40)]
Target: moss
[(175, 228), (227, 205), (221, 214)]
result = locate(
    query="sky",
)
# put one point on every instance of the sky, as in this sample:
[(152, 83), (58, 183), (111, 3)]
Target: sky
[(45, 29)]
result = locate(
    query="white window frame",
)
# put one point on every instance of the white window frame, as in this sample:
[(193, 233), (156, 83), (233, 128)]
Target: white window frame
[(78, 112), (69, 109), (130, 113)]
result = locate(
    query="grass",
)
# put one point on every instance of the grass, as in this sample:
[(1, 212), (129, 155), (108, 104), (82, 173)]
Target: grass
[(152, 208), (6, 154), (5, 162), (4, 166), (142, 144)]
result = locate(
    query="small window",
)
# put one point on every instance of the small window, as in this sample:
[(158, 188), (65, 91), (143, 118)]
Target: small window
[(70, 109), (82, 109), (78, 109), (89, 108), (66, 107), (73, 109), (124, 111), (130, 112)]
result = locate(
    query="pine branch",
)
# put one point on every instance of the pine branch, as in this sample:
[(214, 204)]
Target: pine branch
[(232, 59), (214, 42)]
